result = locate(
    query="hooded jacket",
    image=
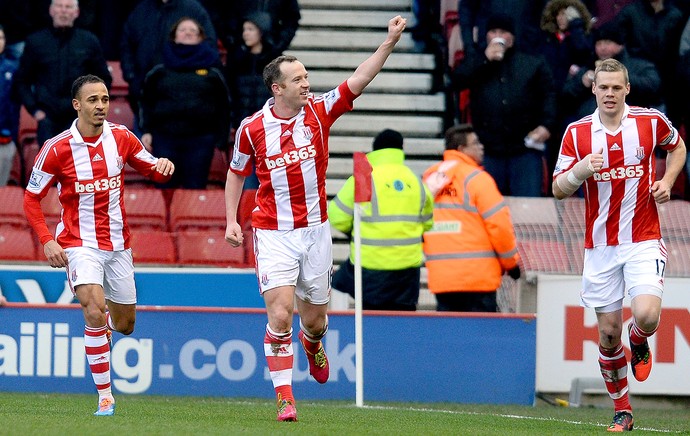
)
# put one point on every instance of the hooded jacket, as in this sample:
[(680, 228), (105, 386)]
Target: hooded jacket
[(472, 242)]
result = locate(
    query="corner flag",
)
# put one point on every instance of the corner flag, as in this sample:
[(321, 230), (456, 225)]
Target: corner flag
[(362, 173), (363, 186)]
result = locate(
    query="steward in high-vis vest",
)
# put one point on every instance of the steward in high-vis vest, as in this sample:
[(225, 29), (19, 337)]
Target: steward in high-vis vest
[(472, 242), (400, 211)]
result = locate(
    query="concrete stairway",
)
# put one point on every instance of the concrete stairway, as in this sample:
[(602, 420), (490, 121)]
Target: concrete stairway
[(334, 37)]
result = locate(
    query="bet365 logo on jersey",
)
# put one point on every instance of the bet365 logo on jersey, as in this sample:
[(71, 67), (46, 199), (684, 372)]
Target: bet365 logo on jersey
[(618, 173), (98, 185), (292, 156)]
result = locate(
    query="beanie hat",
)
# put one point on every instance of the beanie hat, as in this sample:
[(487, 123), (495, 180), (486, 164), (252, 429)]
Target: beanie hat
[(609, 32), (262, 21), (501, 21), (388, 139)]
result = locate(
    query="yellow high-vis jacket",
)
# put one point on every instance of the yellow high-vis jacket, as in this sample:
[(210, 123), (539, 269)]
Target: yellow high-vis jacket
[(473, 241), (400, 211)]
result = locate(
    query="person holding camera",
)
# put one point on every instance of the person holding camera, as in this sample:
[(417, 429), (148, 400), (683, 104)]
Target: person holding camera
[(513, 106)]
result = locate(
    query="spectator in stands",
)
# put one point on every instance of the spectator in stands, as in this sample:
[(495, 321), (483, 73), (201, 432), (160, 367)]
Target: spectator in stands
[(624, 252), (53, 58), (9, 112), (245, 66), (92, 239), (400, 211), (285, 16), (604, 11), (145, 34), (185, 105), (566, 40), (651, 29), (474, 14), (244, 73), (472, 243), (107, 23), (566, 43), (645, 83), (288, 140), (513, 107), (427, 32), (16, 19)]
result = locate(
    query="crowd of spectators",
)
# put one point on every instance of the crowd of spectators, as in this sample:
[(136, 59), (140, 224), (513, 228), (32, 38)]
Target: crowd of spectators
[(49, 43), (571, 37)]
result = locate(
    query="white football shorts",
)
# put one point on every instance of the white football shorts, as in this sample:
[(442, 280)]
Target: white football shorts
[(113, 270), (301, 257), (612, 271)]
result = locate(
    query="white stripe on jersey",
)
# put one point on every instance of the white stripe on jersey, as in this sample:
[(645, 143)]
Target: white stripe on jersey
[(83, 170), (631, 140), (272, 131), (239, 159), (284, 205), (114, 210)]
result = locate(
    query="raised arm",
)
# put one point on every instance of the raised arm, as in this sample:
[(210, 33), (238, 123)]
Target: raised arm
[(368, 69)]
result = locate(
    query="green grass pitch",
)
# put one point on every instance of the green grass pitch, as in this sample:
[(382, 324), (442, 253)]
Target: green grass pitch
[(58, 414)]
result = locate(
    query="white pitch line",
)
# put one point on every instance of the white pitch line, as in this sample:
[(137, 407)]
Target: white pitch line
[(501, 415)]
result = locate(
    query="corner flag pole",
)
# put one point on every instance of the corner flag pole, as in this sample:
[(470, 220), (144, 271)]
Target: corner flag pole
[(363, 186)]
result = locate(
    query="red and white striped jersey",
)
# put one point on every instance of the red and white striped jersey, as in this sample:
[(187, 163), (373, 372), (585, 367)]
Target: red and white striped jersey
[(619, 204), (291, 157), (90, 180)]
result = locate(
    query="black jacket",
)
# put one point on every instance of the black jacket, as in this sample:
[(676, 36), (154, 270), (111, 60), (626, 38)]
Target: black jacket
[(244, 73), (508, 99), (645, 86), (52, 60), (285, 16), (146, 32), (186, 96)]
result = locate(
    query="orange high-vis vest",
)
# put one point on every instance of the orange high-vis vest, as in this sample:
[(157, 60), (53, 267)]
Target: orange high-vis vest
[(472, 241)]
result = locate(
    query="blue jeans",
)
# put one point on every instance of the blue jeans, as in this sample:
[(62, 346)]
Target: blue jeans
[(517, 176)]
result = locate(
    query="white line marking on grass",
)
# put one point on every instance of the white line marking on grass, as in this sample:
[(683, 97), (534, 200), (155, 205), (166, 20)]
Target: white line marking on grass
[(502, 415), (462, 412)]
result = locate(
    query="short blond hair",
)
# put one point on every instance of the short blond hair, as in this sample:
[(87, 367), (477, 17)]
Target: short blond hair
[(611, 66)]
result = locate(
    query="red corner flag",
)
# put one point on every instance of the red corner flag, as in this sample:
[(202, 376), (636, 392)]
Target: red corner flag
[(362, 172)]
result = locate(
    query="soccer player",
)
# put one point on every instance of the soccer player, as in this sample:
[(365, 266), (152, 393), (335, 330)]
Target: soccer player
[(287, 140), (92, 237), (611, 153)]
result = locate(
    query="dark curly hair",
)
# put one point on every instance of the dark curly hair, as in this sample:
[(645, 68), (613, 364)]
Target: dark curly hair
[(552, 8)]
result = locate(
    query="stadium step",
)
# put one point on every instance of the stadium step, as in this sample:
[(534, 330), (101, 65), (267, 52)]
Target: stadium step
[(400, 102), (407, 125), (412, 146), (351, 60), (342, 40), (391, 5), (403, 82), (349, 18)]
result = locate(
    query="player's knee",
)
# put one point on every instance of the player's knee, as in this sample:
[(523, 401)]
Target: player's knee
[(609, 335), (94, 315), (647, 319), (316, 327), (124, 326)]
